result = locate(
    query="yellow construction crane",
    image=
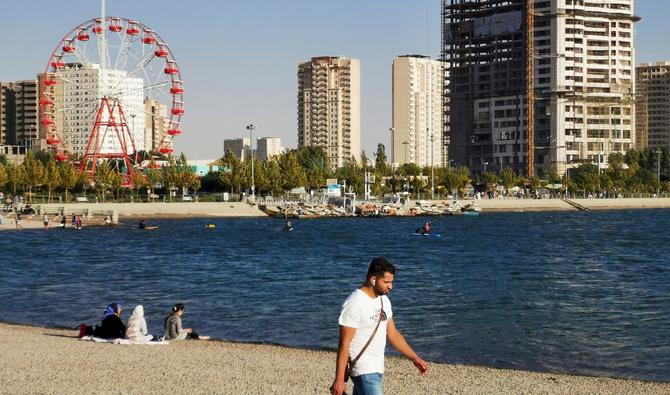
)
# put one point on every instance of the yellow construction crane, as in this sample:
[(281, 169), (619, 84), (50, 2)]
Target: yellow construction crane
[(530, 83)]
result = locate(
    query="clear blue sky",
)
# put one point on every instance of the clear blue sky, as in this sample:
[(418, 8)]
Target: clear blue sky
[(239, 58)]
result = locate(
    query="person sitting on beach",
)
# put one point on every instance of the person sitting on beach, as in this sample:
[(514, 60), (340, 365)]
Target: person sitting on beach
[(111, 326), (137, 326), (173, 328), (108, 220), (142, 224)]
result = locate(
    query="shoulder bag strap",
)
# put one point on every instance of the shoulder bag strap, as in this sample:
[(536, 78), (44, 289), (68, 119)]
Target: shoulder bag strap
[(381, 318)]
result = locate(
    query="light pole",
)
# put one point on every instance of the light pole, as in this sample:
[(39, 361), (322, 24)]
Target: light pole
[(392, 145), (432, 168), (658, 172), (485, 164), (251, 128), (405, 144)]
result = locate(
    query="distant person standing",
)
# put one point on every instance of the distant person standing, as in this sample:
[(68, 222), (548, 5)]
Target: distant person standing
[(366, 322), (18, 221), (45, 221)]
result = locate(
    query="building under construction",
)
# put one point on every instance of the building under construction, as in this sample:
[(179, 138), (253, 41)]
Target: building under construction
[(574, 69)]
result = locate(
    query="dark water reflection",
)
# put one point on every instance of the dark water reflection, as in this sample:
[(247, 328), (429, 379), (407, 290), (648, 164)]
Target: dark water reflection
[(585, 293)]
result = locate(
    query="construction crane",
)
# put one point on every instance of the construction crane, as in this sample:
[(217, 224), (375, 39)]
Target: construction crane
[(530, 83)]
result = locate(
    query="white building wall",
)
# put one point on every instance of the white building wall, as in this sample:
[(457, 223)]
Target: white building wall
[(417, 111), (81, 93)]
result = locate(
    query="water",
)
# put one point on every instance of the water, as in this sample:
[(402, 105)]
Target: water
[(585, 293)]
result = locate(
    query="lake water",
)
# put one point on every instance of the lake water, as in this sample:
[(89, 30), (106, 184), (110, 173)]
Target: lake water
[(579, 292)]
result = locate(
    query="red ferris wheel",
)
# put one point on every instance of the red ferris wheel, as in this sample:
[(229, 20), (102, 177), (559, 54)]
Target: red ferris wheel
[(111, 88)]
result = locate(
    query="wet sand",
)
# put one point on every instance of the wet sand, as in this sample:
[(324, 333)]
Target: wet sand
[(54, 361)]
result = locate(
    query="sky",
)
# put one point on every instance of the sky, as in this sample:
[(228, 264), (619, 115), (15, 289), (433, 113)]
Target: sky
[(239, 58)]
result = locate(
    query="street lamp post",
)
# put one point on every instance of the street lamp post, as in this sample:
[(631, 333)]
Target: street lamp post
[(251, 128), (485, 164), (432, 168), (658, 172), (405, 144)]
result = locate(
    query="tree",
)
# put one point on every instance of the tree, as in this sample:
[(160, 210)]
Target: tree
[(4, 177), (116, 182), (410, 169), (293, 175), (154, 177), (316, 165), (232, 172), (139, 182), (70, 177), (103, 179), (16, 177), (35, 173), (53, 177), (194, 183), (380, 160), (586, 177), (456, 178), (508, 178), (272, 180)]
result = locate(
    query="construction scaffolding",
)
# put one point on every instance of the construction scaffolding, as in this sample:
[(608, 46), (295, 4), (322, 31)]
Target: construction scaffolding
[(485, 51)]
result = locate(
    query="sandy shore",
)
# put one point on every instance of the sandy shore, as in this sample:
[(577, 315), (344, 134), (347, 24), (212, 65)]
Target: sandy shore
[(53, 361), (132, 211)]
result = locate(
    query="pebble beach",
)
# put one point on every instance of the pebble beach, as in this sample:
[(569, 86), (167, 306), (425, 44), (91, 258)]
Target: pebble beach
[(55, 361)]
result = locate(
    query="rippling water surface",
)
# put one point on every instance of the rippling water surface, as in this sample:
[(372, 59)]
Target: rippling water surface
[(585, 293)]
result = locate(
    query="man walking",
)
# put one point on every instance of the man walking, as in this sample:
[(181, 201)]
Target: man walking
[(366, 322)]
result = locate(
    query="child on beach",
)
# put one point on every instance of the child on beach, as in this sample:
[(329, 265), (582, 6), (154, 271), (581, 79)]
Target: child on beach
[(137, 326), (173, 328)]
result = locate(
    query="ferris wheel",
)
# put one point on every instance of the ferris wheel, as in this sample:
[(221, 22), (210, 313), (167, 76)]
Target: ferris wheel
[(111, 88)]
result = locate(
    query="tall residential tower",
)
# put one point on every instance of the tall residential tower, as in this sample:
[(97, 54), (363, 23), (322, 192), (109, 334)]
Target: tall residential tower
[(583, 82), (417, 110), (329, 107), (653, 105)]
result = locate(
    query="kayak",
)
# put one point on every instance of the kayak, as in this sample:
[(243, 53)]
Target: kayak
[(427, 234), (149, 228)]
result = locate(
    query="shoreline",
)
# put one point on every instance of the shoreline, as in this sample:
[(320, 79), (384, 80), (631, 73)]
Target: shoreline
[(209, 210), (32, 353)]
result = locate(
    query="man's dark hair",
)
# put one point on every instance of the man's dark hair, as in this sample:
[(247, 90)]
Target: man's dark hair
[(379, 266)]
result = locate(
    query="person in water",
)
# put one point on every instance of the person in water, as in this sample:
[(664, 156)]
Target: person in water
[(173, 328), (137, 326), (288, 226), (142, 224), (424, 230), (111, 327)]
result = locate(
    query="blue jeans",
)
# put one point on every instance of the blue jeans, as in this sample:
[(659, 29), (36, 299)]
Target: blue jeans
[(368, 384)]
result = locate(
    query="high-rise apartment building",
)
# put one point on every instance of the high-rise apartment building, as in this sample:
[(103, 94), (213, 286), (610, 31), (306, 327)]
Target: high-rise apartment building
[(329, 109), (417, 110), (583, 82), (7, 109), (82, 99), (19, 123), (157, 123), (27, 131), (240, 147), (267, 147), (652, 107)]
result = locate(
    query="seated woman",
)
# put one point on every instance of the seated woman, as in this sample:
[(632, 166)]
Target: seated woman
[(173, 328), (137, 326), (111, 326)]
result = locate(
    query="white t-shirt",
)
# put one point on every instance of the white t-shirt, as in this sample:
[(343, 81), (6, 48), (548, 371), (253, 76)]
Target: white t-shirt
[(362, 312)]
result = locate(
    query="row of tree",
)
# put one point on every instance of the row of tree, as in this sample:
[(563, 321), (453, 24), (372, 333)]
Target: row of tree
[(42, 172), (309, 167)]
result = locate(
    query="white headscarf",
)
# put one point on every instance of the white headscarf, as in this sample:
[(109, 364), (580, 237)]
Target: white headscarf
[(137, 326)]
